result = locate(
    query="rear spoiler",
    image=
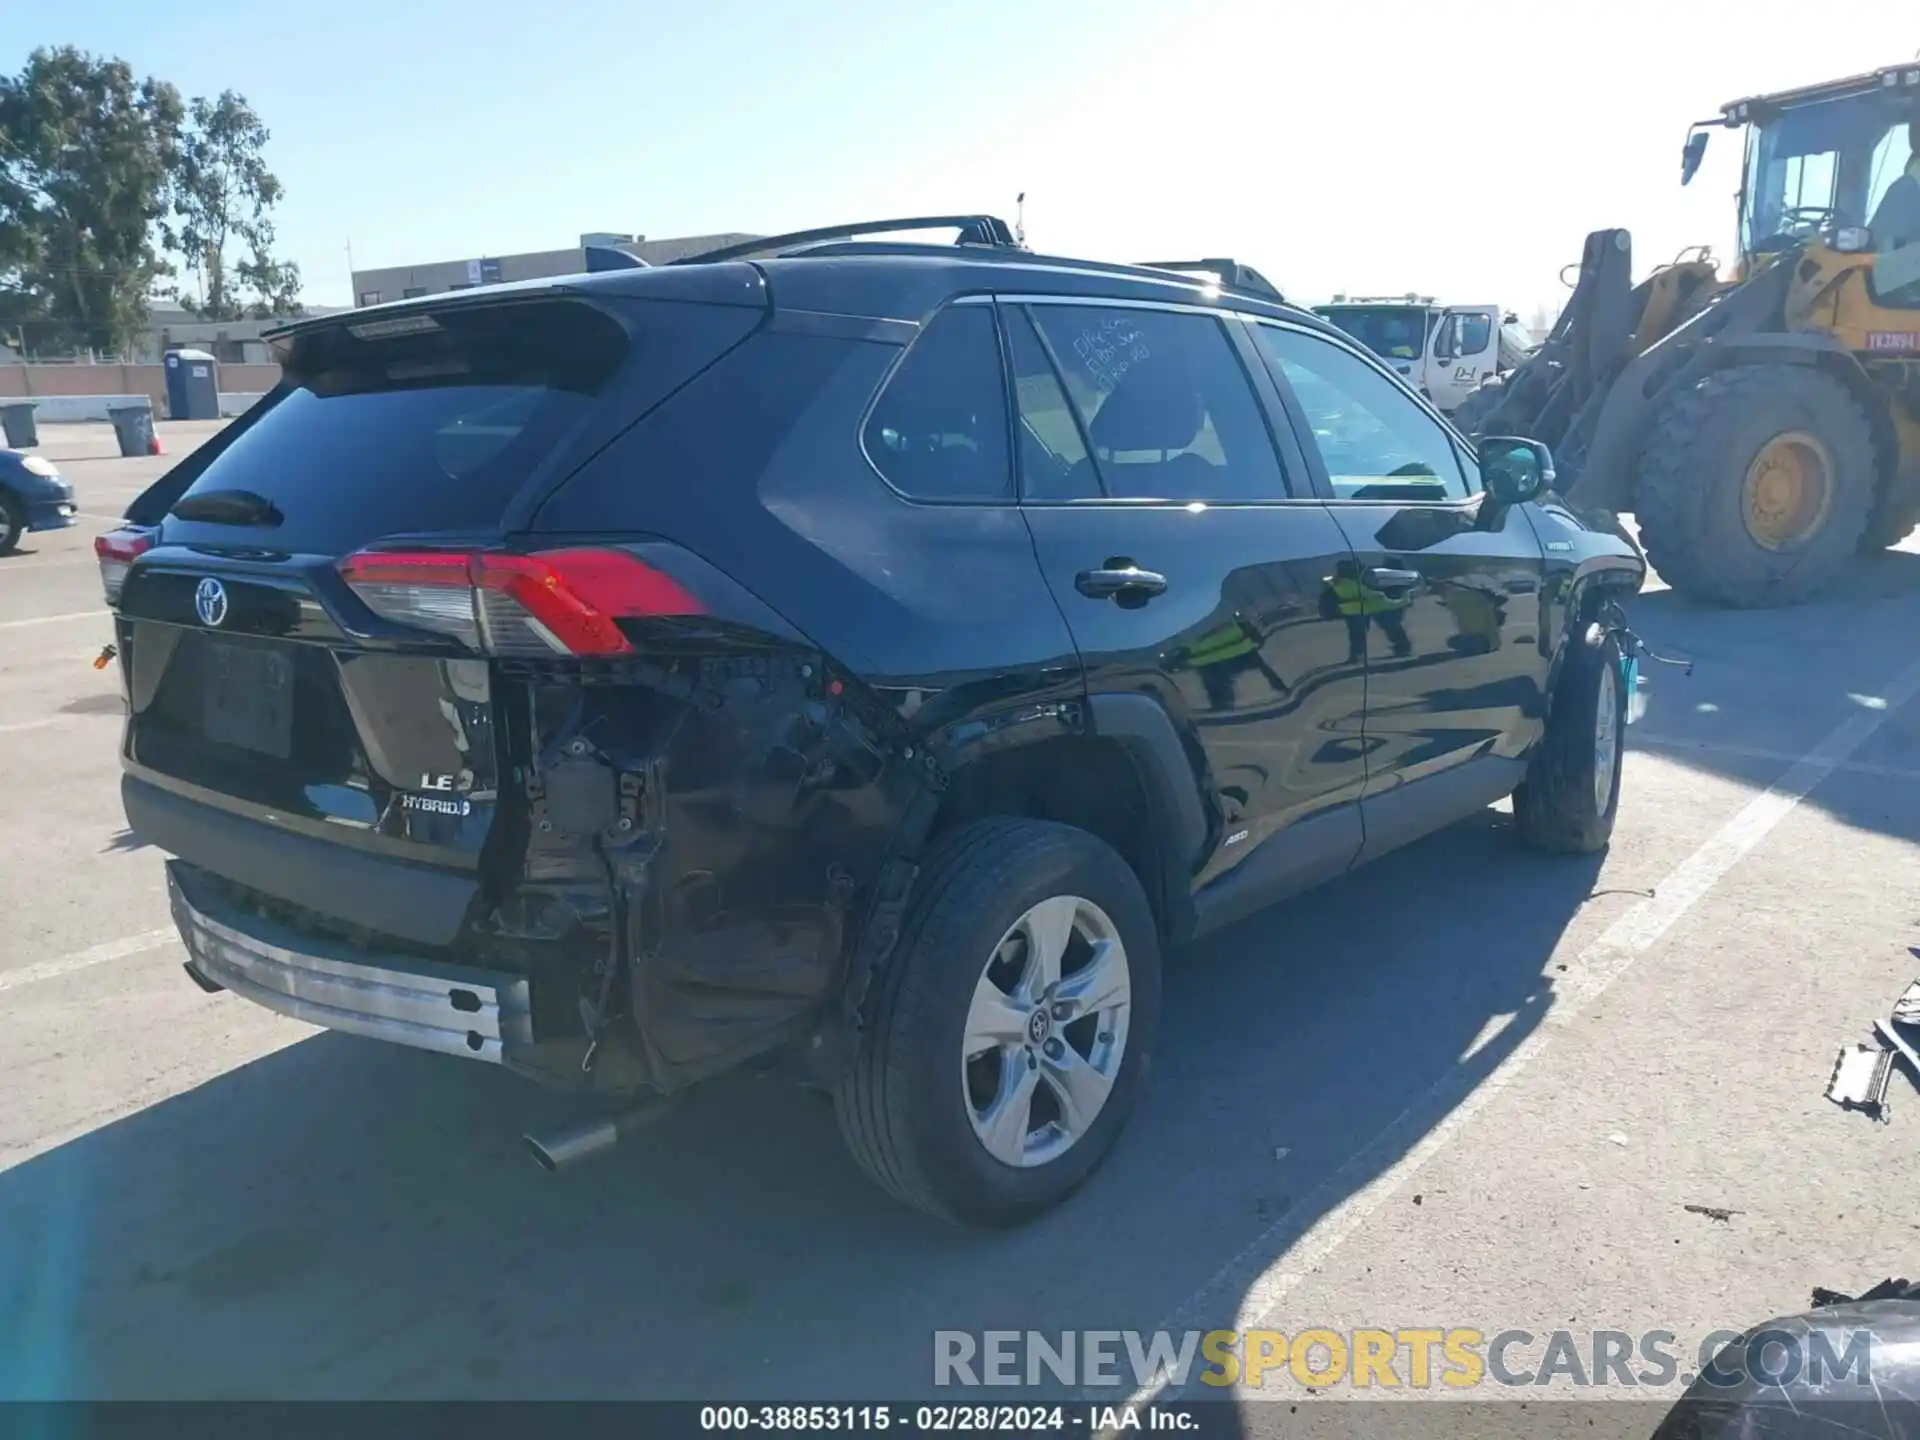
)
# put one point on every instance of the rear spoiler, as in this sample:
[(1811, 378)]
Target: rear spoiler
[(601, 258)]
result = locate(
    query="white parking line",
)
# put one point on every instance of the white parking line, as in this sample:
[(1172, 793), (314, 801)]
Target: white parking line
[(39, 563), (1347, 1199), (52, 619), (1756, 752), (83, 959)]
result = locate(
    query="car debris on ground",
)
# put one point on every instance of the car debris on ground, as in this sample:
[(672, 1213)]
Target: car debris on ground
[(1862, 1073), (1889, 1289)]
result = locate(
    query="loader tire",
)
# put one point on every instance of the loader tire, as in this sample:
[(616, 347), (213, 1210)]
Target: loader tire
[(1893, 520), (1718, 461)]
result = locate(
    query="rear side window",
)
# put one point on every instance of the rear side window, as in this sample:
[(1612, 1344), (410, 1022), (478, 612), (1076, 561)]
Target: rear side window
[(1163, 399), (939, 428), (1054, 464), (436, 427)]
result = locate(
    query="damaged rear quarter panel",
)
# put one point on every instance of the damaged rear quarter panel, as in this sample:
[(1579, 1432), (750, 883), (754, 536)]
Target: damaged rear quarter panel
[(697, 828), (781, 778)]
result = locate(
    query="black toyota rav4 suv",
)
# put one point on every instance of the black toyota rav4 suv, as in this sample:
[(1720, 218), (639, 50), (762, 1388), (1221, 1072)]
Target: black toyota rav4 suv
[(872, 652)]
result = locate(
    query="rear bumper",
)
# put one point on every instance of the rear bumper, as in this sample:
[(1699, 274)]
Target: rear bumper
[(454, 1009), (389, 897)]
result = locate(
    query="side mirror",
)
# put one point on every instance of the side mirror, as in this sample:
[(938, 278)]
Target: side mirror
[(1692, 155), (1513, 470)]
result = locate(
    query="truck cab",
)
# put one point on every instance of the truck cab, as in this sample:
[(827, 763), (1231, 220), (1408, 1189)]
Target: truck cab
[(1446, 352)]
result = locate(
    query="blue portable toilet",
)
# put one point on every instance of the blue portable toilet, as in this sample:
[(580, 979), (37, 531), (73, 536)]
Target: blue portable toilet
[(193, 385)]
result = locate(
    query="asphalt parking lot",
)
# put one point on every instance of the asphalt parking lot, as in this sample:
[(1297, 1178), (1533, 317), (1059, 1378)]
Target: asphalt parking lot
[(1467, 1087)]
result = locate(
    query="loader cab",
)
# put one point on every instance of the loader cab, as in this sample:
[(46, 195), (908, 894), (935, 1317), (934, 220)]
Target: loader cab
[(1820, 160)]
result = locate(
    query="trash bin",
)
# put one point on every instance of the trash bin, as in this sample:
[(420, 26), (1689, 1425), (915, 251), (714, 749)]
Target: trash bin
[(193, 385), (133, 427), (16, 418)]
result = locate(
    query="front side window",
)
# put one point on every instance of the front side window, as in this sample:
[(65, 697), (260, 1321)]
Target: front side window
[(1463, 335), (939, 429), (1377, 443), (1820, 167), (1164, 402)]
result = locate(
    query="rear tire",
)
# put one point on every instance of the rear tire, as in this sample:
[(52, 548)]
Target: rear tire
[(1701, 493), (908, 1108), (1568, 802), (13, 523)]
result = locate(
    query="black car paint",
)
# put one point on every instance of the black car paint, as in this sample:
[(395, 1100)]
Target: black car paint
[(701, 852)]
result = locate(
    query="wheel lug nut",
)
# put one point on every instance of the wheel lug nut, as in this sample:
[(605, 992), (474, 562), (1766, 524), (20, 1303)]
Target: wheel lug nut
[(1055, 1049), (1062, 1010)]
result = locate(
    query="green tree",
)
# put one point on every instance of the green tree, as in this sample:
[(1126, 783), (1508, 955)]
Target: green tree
[(86, 159), (223, 203)]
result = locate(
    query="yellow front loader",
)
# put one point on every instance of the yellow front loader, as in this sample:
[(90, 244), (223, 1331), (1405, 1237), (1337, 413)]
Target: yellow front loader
[(1762, 427)]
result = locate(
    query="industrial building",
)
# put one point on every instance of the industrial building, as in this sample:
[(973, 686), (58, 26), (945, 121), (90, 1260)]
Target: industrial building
[(404, 282)]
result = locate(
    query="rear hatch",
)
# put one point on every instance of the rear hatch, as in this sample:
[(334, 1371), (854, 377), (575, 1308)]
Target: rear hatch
[(310, 635)]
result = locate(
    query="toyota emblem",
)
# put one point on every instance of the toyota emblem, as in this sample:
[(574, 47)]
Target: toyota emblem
[(210, 602)]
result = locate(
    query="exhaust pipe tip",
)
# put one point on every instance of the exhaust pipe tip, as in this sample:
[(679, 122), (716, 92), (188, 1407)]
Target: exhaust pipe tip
[(559, 1149), (541, 1155)]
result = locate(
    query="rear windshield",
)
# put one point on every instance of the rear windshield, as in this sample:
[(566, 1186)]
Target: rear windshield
[(414, 429)]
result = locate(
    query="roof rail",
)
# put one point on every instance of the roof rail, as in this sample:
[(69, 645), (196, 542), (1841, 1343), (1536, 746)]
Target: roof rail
[(1230, 273), (974, 230)]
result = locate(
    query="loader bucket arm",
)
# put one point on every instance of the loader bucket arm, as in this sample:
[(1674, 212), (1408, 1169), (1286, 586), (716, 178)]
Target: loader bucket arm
[(1593, 338)]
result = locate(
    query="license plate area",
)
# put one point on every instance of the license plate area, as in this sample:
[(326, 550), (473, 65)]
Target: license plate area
[(247, 699)]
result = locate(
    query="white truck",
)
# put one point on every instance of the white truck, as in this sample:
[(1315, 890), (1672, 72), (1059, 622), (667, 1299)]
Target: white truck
[(1446, 352)]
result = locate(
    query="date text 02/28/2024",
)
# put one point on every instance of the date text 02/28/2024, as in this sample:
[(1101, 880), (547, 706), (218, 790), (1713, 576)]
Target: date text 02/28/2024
[(953, 1419)]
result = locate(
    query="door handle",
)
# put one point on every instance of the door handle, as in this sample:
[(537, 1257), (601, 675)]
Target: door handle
[(1381, 577), (1121, 581)]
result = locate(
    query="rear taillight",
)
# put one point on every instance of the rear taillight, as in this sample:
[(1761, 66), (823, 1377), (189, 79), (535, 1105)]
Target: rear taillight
[(556, 602), (116, 551)]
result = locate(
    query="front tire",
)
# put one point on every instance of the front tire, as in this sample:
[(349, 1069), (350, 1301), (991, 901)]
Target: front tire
[(13, 523), (1570, 797), (1756, 485), (1013, 1027)]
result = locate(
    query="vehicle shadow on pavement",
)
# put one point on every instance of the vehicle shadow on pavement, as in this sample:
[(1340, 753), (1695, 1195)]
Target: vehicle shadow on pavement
[(1769, 686), (341, 1218)]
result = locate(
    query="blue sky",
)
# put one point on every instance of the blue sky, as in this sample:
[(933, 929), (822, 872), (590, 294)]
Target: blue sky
[(1461, 149)]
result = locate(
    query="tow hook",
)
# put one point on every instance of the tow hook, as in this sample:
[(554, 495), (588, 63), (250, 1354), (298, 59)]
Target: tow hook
[(1632, 648)]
